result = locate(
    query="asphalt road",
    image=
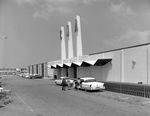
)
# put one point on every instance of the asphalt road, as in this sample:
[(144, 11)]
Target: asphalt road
[(33, 97)]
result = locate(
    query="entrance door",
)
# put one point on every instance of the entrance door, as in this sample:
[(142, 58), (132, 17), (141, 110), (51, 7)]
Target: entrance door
[(67, 72), (75, 72)]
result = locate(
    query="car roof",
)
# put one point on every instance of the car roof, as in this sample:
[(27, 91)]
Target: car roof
[(87, 78)]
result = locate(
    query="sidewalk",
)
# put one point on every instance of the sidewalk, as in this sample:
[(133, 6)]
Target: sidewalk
[(125, 98)]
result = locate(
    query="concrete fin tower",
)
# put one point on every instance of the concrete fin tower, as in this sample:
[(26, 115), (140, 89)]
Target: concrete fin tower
[(63, 47), (78, 36), (70, 43)]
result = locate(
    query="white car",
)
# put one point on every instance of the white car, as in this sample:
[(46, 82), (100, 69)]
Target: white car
[(27, 75), (90, 83), (59, 81)]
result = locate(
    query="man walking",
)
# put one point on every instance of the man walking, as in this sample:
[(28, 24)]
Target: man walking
[(64, 83)]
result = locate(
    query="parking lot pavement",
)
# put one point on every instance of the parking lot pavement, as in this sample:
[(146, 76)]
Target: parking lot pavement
[(44, 98), (117, 96)]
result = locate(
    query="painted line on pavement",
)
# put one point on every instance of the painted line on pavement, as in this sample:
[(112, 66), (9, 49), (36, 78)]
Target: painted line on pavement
[(24, 102), (17, 108)]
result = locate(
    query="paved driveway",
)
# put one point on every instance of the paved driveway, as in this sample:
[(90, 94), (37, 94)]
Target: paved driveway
[(44, 98)]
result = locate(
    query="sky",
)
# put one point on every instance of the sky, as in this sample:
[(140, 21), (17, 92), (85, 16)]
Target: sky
[(33, 27)]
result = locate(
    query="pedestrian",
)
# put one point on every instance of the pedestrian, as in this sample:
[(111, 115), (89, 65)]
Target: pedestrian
[(76, 87), (69, 84), (64, 83), (78, 83)]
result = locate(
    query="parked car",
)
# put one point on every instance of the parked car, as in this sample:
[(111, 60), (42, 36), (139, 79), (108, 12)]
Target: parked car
[(24, 75), (27, 75), (35, 76), (59, 81), (90, 83)]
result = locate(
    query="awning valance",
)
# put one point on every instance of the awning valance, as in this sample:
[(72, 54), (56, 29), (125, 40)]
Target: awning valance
[(84, 63), (97, 62), (76, 64), (65, 66), (68, 64), (53, 66), (59, 65)]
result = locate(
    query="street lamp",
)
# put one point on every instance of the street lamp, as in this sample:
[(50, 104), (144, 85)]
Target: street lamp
[(3, 39)]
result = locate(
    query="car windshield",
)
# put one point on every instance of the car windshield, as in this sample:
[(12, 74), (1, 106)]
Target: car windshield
[(90, 80)]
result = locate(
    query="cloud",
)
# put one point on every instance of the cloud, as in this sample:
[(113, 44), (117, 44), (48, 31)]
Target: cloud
[(21, 2), (67, 1), (139, 36), (131, 37), (60, 1), (47, 10), (122, 9)]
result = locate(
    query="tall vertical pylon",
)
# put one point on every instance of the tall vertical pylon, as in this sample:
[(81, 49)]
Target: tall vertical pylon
[(70, 43), (78, 36), (63, 47)]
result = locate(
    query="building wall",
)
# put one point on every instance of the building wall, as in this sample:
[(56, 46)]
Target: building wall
[(128, 65), (63, 72), (34, 66), (148, 62), (112, 71), (97, 72), (121, 68), (39, 67), (135, 72), (71, 72), (83, 71), (45, 70), (30, 69), (50, 72)]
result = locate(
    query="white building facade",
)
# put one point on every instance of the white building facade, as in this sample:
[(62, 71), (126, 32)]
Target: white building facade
[(131, 64)]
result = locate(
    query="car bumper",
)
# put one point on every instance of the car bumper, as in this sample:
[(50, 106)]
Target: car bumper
[(98, 88)]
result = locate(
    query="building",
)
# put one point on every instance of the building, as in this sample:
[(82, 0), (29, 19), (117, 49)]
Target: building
[(8, 71), (130, 64), (40, 69), (122, 70)]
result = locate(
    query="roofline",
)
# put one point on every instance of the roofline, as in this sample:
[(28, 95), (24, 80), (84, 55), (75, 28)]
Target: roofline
[(120, 49)]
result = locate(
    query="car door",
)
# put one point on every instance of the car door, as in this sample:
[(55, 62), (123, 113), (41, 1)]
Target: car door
[(85, 85)]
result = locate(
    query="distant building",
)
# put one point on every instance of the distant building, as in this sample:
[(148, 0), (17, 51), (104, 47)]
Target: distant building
[(8, 71)]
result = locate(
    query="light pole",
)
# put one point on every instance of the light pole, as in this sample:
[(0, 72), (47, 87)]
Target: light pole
[(3, 39)]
